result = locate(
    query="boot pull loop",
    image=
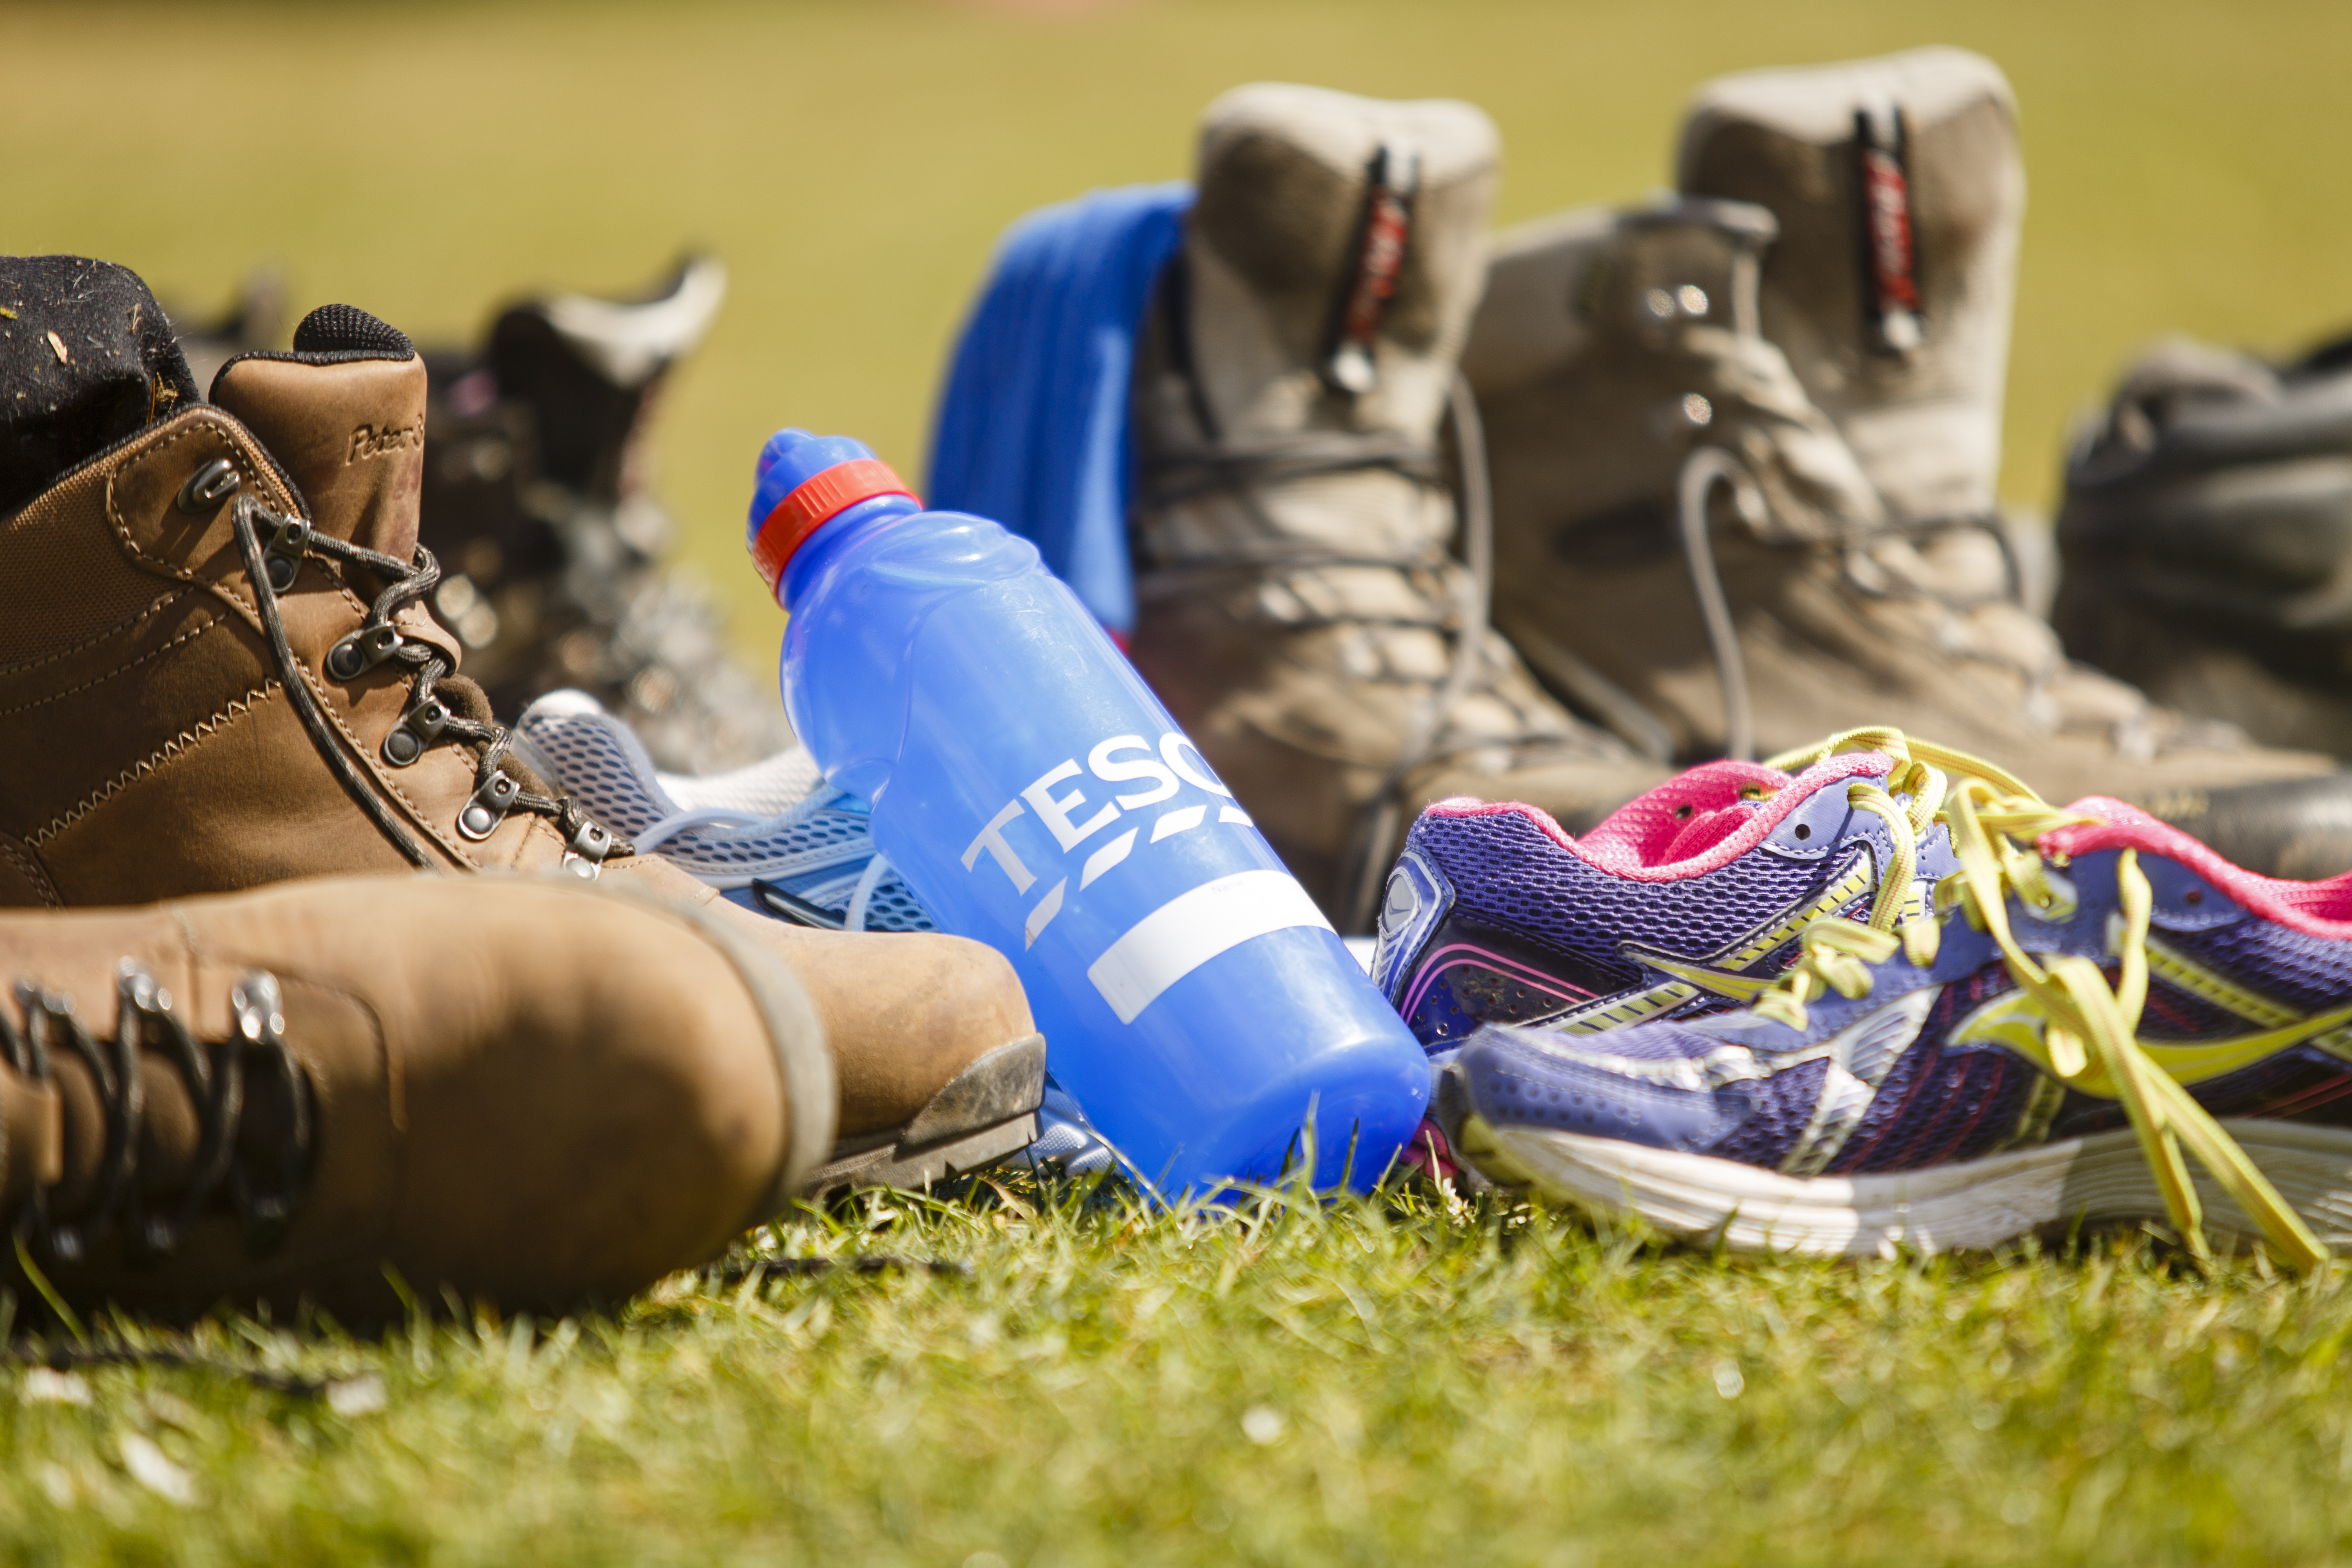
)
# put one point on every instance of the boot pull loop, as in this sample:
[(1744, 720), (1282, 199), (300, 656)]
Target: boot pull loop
[(1391, 184), (208, 487)]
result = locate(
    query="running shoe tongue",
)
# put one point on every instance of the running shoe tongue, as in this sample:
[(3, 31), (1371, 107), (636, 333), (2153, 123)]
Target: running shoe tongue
[(345, 413), (1706, 829)]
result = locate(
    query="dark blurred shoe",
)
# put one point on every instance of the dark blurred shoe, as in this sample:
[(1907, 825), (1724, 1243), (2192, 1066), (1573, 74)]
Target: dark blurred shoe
[(2207, 538), (536, 495), (1301, 613), (1721, 537)]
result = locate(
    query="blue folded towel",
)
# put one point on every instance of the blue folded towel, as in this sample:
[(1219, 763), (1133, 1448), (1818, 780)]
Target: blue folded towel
[(1031, 428)]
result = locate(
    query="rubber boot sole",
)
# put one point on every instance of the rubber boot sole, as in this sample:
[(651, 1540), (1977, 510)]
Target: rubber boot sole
[(985, 1113)]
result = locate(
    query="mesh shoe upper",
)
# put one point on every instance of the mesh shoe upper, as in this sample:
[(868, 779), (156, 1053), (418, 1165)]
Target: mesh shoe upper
[(1689, 900), (776, 822)]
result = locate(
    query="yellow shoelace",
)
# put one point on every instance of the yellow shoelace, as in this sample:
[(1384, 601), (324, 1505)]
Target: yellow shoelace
[(2089, 1030)]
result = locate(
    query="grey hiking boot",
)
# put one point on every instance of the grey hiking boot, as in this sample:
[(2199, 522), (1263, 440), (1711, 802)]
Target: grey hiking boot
[(536, 494), (1899, 193), (1681, 545), (2206, 536), (1299, 611)]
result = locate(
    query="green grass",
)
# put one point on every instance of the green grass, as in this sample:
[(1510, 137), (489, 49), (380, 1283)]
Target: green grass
[(1366, 1381), (1500, 1387)]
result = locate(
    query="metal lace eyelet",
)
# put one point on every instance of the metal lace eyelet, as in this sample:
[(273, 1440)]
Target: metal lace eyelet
[(416, 730), (284, 553), (208, 487), (362, 651), (584, 858), (482, 815)]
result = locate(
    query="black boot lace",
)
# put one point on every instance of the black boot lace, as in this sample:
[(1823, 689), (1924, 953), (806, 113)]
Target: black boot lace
[(274, 547), (217, 1079)]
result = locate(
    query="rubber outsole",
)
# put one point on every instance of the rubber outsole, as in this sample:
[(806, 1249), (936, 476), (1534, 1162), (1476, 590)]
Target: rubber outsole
[(2048, 1190), (985, 1113)]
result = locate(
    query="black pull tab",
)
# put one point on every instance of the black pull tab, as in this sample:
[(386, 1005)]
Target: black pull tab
[(1391, 182), (1890, 294)]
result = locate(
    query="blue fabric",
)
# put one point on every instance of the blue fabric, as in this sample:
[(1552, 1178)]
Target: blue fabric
[(1032, 429)]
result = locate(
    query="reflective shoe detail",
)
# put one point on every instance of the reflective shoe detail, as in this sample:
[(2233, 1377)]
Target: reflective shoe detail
[(2103, 1021), (1417, 899), (774, 836)]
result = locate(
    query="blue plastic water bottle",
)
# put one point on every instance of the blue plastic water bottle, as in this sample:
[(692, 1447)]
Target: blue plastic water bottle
[(1028, 785)]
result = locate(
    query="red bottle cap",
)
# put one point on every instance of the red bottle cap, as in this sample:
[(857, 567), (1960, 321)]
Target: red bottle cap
[(816, 502)]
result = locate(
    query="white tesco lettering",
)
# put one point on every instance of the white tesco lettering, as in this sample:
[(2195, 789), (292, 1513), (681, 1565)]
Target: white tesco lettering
[(1055, 813), (1100, 762), (991, 839), (1173, 746)]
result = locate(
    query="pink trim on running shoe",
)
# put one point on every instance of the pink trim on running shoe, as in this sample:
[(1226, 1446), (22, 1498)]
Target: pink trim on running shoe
[(2315, 908), (1694, 823)]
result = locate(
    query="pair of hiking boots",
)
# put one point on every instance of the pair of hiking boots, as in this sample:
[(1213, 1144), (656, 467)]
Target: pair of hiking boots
[(1743, 445), (549, 1069)]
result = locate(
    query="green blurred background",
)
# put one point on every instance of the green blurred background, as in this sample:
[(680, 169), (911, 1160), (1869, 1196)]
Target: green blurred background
[(852, 162)]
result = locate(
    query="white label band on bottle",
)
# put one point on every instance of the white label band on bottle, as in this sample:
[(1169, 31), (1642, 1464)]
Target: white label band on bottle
[(1194, 927)]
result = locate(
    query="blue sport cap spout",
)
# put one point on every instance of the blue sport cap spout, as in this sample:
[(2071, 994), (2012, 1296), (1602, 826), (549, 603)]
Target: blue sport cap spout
[(805, 482)]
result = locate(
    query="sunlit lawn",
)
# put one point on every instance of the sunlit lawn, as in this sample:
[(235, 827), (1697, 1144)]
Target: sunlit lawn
[(1376, 1383)]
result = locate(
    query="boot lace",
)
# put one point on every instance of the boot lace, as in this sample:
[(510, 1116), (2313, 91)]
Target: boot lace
[(216, 1079), (1708, 467), (2089, 1031), (273, 547)]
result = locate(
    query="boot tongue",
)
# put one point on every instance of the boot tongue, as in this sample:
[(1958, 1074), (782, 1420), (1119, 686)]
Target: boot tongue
[(344, 413)]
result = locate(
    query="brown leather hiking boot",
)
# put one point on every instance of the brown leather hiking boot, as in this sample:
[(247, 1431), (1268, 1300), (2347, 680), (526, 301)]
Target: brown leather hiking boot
[(1677, 512), (212, 637), (1299, 611), (524, 1090)]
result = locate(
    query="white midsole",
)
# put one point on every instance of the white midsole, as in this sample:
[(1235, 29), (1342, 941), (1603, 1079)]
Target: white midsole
[(2099, 1179)]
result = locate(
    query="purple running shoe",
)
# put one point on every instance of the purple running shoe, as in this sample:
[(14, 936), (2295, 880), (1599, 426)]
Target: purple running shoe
[(1689, 900), (2094, 1002)]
